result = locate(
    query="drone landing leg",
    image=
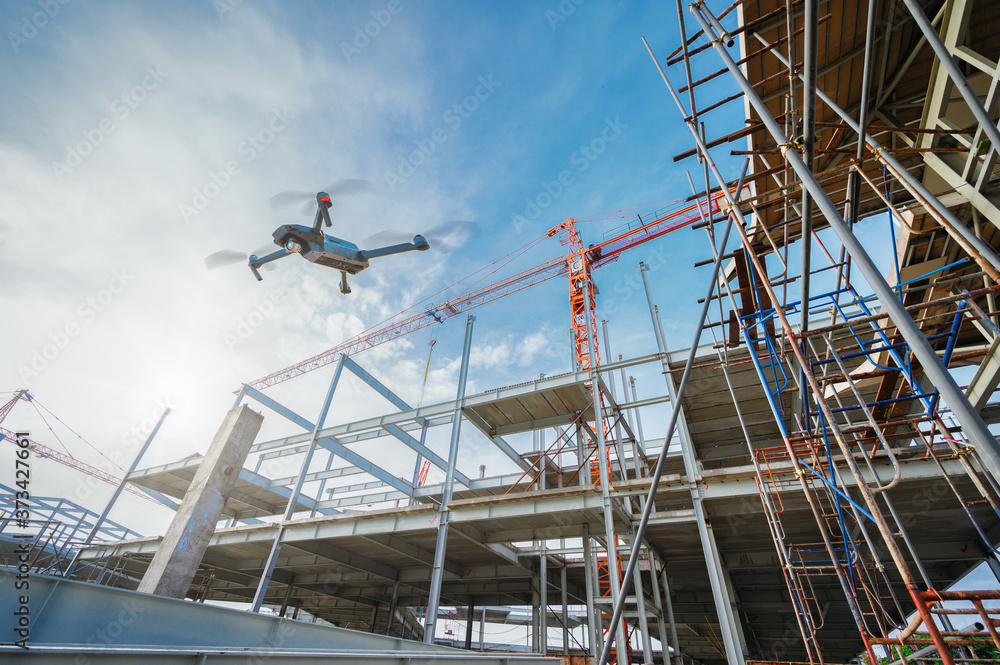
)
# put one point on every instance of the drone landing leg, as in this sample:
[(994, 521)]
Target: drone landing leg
[(344, 286)]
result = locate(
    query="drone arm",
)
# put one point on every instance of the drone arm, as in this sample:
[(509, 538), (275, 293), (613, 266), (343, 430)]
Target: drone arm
[(255, 262), (418, 243)]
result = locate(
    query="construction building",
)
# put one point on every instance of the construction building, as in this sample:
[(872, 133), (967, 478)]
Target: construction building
[(829, 470)]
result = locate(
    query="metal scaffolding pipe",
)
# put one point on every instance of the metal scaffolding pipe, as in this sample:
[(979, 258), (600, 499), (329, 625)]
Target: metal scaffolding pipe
[(722, 604), (853, 186), (979, 434), (593, 631), (809, 55), (437, 575)]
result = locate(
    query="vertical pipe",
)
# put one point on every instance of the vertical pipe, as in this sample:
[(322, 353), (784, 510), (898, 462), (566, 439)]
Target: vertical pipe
[(535, 604), (979, 435), (593, 629), (809, 55), (853, 182), (543, 602), (482, 628), (437, 575), (565, 607)]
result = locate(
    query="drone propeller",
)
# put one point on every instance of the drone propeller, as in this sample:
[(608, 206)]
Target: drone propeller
[(291, 197), (228, 257), (444, 237)]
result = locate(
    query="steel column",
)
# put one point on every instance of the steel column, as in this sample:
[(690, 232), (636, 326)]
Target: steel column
[(593, 621), (670, 614), (272, 557), (437, 576), (658, 604), (617, 631)]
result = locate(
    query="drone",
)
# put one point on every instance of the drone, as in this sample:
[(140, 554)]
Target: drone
[(325, 250)]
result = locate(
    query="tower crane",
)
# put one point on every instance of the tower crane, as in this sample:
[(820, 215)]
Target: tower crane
[(578, 263)]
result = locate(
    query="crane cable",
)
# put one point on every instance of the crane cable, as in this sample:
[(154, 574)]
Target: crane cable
[(78, 435)]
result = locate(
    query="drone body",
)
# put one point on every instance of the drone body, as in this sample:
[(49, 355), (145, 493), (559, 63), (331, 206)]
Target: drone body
[(319, 248)]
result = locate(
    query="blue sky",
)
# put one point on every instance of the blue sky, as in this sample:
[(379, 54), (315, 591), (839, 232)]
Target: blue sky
[(137, 138)]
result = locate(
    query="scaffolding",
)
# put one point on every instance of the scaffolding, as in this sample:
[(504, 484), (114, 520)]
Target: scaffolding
[(857, 368)]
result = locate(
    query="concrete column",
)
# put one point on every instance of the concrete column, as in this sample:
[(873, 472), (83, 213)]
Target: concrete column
[(179, 554), (471, 611)]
